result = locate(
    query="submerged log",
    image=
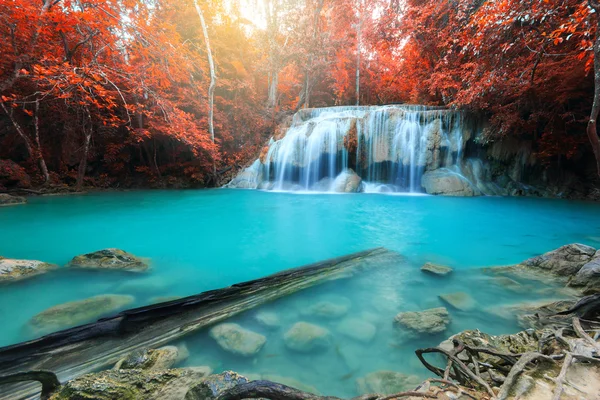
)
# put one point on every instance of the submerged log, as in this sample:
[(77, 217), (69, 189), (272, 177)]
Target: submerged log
[(87, 348)]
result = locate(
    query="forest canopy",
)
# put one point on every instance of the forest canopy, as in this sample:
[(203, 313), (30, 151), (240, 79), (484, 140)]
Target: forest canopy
[(122, 93)]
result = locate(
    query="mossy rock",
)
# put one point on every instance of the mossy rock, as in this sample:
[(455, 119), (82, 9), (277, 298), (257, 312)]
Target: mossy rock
[(110, 259), (12, 270), (77, 312), (134, 384)]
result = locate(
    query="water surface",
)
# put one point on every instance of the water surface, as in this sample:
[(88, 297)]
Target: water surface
[(200, 240)]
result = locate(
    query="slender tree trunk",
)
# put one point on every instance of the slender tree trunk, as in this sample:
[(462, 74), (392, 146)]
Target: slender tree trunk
[(40, 155), (84, 157), (358, 49), (19, 129), (213, 79), (271, 10), (591, 127)]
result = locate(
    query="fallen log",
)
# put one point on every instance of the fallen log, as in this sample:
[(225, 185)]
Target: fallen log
[(87, 348)]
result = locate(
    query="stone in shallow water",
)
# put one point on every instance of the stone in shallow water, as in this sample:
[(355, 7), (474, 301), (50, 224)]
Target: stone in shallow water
[(509, 284), (78, 312), (305, 337), (459, 300), (268, 319), (110, 259), (432, 321), (386, 382), (357, 329), (331, 307), (151, 359), (237, 340), (10, 200), (12, 270), (436, 269)]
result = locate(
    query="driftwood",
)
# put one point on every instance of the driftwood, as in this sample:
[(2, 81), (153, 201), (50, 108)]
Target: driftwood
[(87, 348)]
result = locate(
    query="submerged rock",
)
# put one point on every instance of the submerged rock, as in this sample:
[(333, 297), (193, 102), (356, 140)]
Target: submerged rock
[(237, 340), (331, 307), (348, 182), (305, 337), (12, 270), (110, 259), (459, 300), (430, 321), (78, 312), (447, 183), (268, 319), (134, 384), (386, 382), (151, 359), (10, 200), (436, 269), (509, 284), (357, 329)]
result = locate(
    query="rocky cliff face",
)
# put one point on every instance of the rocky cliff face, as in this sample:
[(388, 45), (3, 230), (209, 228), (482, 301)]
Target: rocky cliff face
[(399, 148)]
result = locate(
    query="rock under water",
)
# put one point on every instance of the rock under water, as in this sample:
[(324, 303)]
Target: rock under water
[(110, 259), (12, 270)]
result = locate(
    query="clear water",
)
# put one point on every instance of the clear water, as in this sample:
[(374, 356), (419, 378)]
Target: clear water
[(200, 240)]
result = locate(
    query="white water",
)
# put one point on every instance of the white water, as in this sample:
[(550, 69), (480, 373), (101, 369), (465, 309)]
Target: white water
[(389, 147)]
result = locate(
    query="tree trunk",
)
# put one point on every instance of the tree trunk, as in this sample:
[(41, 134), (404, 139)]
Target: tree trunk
[(358, 44), (591, 127), (19, 129), (40, 155), (213, 79), (83, 163)]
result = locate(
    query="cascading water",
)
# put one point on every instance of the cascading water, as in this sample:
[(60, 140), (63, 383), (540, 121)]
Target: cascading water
[(371, 148)]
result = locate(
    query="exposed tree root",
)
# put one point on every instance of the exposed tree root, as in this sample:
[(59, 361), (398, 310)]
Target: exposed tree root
[(48, 380)]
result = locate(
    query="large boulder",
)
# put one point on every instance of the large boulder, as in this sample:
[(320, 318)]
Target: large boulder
[(564, 261), (348, 182), (305, 337), (78, 312), (386, 382), (588, 275), (447, 183), (12, 270), (237, 340), (10, 200), (110, 259), (432, 321), (133, 384)]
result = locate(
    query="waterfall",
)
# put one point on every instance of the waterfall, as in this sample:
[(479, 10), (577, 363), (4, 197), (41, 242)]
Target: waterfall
[(362, 148)]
